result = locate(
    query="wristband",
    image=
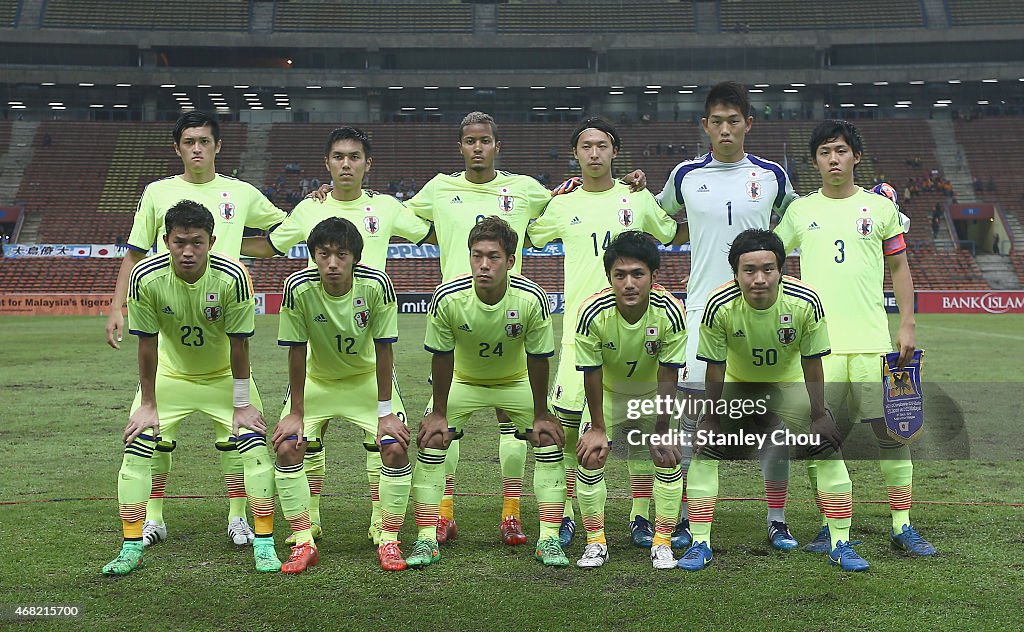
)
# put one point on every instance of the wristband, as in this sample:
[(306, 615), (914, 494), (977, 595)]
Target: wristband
[(383, 408), (241, 393)]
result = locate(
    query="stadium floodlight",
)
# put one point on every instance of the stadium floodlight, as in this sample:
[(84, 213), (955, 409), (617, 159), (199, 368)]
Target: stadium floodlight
[(19, 107), (940, 105), (572, 87), (95, 105), (250, 94), (431, 109), (501, 87), (576, 109), (396, 87), (241, 87), (121, 105), (174, 94), (86, 85), (847, 105), (122, 85), (47, 83), (204, 85), (691, 91), (465, 87), (982, 102), (917, 82), (342, 87), (904, 102), (255, 107), (791, 90), (762, 85), (799, 85), (313, 87), (562, 108), (990, 81), (650, 92), (754, 90), (58, 107), (902, 105), (215, 94), (946, 101), (615, 92), (408, 109), (168, 85), (540, 107), (843, 83), (654, 87), (871, 105), (55, 103), (15, 102), (691, 87), (280, 94), (431, 87), (538, 87), (953, 81), (881, 83)]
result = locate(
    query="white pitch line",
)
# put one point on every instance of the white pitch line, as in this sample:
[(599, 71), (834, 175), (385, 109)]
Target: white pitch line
[(972, 333)]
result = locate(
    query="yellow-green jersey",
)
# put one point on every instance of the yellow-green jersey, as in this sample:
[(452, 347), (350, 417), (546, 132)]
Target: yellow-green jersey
[(455, 205), (843, 245), (378, 218), (586, 223), (490, 342), (339, 331), (629, 354), (234, 204), (194, 320), (763, 345)]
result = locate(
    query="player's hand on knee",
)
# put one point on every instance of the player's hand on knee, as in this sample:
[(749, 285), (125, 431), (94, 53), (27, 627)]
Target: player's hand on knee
[(115, 328), (592, 447), (248, 417), (144, 417), (707, 427), (434, 432), (289, 426), (391, 426), (636, 181), (547, 431), (826, 428), (665, 453)]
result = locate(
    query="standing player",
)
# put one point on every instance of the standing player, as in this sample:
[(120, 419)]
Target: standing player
[(725, 192), (348, 157), (585, 221), (193, 312), (764, 334), (847, 236), (346, 314), (630, 345), (238, 204), (491, 337), (455, 203)]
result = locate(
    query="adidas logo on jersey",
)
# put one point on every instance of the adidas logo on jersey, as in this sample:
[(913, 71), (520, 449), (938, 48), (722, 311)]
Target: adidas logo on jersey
[(168, 310), (739, 334), (320, 318), (609, 345), (813, 226), (456, 200), (465, 327), (575, 220), (703, 189)]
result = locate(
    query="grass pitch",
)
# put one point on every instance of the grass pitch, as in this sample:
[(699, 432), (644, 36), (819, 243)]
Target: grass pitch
[(65, 402)]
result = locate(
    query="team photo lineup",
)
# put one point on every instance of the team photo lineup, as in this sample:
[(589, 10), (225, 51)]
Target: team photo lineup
[(752, 357)]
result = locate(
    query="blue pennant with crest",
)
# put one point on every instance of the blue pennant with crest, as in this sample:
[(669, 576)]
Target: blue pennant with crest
[(902, 398)]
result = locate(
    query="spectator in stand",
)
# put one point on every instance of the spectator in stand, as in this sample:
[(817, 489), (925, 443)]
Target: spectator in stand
[(304, 186), (935, 227), (991, 186)]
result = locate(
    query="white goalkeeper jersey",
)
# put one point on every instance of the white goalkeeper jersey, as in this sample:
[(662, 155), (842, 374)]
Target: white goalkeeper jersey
[(722, 199)]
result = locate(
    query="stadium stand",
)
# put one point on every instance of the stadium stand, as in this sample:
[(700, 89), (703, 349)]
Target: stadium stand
[(10, 11), (991, 164), (109, 164), (575, 16), (982, 12), (358, 17), (73, 276), (782, 15), (224, 15)]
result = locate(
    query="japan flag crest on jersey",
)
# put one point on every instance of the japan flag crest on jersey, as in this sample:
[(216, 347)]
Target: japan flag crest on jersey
[(371, 224), (626, 217), (227, 210), (505, 200), (865, 225), (361, 317)]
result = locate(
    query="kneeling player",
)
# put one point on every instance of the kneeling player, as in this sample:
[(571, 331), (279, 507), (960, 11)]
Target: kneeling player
[(201, 306), (346, 315), (761, 335), (630, 344), (491, 337)]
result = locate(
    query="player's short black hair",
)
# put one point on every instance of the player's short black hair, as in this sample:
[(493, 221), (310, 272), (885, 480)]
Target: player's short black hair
[(337, 232), (754, 240), (349, 133), (632, 244), (728, 93), (598, 123), (196, 118), (188, 214), (833, 129), (494, 228), (482, 118)]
